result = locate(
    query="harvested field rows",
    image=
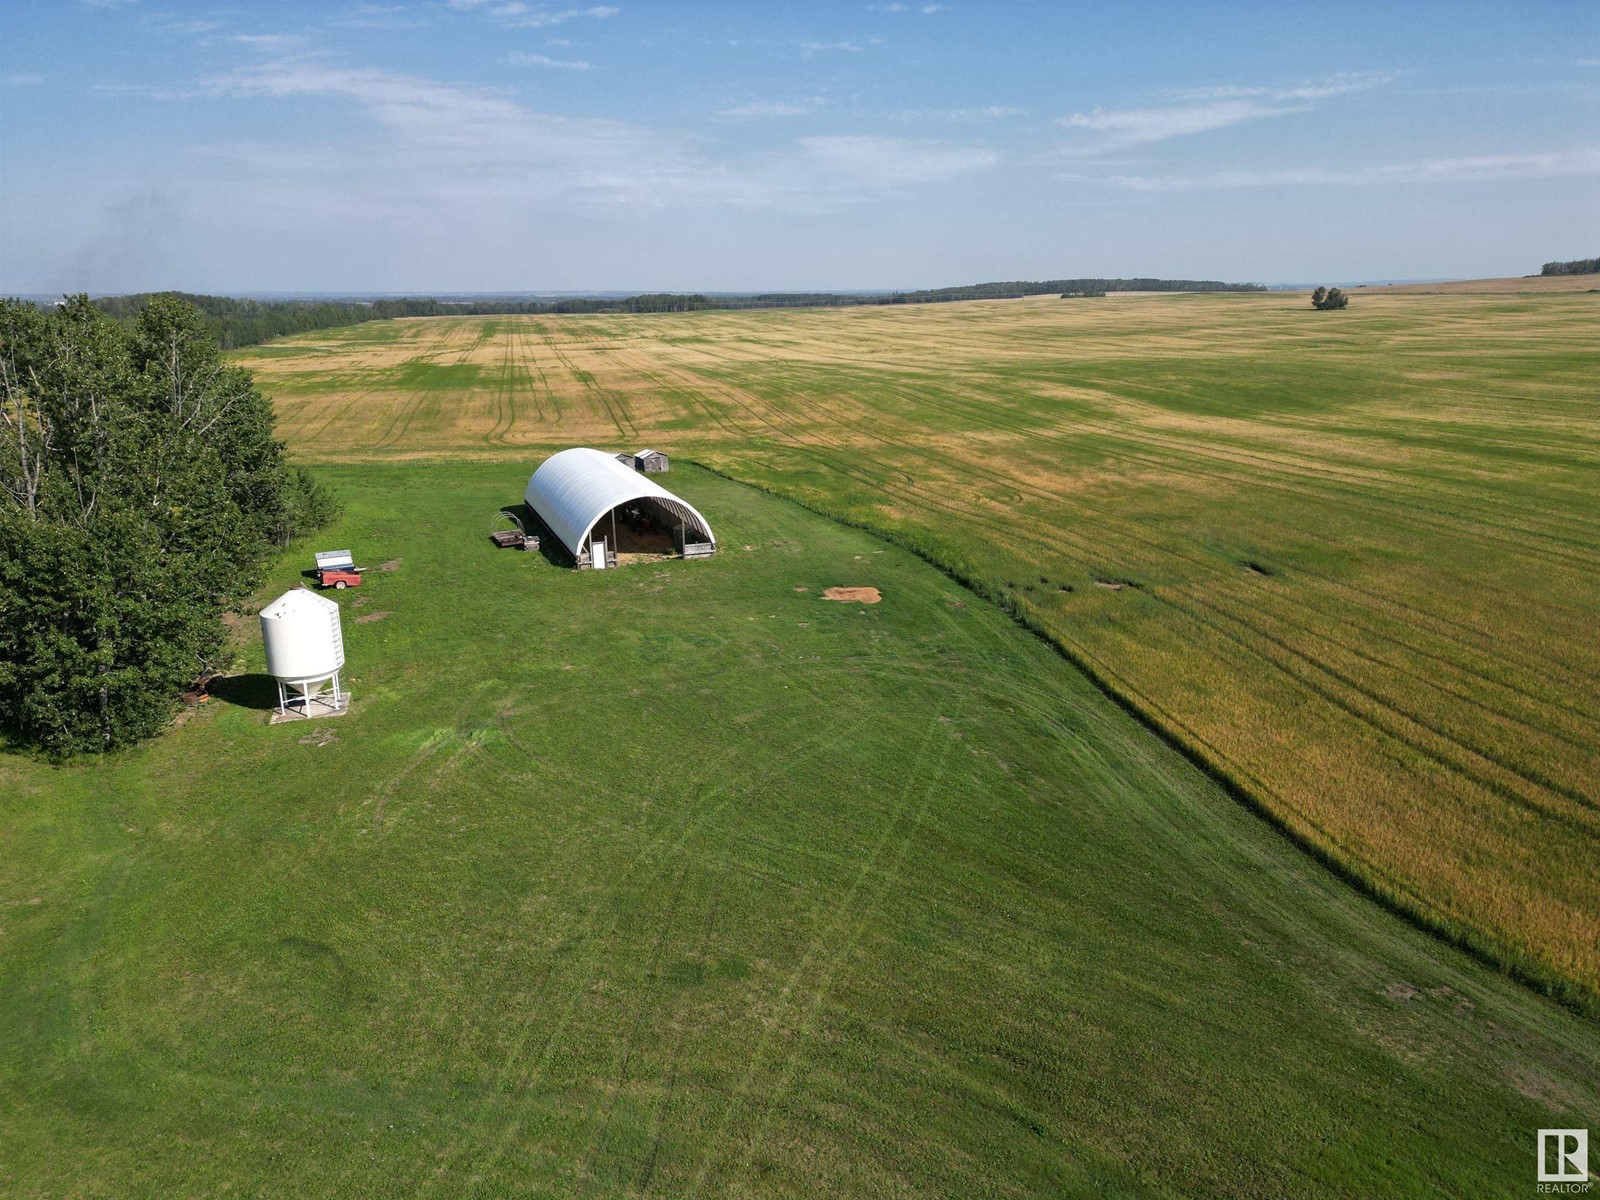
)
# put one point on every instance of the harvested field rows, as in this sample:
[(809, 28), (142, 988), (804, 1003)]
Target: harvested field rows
[(1360, 551)]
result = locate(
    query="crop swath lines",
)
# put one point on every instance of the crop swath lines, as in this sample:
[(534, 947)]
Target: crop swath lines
[(1411, 681)]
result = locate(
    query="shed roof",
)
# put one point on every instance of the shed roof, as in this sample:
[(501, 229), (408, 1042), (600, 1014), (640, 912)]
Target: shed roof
[(575, 488)]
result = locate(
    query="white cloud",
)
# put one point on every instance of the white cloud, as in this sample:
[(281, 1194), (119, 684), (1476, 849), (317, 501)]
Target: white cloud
[(1482, 168), (814, 47), (271, 43), (1201, 110), (381, 16), (449, 151), (759, 109), (519, 58), (895, 162), (1136, 126), (1333, 85), (28, 79), (965, 116), (521, 15)]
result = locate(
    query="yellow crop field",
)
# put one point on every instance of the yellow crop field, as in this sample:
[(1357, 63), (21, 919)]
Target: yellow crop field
[(1350, 560)]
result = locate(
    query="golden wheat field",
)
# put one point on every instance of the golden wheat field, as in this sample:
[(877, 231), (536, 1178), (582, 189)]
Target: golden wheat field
[(1350, 560)]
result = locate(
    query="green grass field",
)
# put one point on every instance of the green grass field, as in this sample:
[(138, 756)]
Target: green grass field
[(679, 880), (1361, 550)]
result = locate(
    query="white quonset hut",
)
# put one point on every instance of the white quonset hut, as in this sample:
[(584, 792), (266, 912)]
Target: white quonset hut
[(305, 651), (596, 506)]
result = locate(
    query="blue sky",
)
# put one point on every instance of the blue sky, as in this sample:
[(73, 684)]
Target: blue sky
[(455, 145)]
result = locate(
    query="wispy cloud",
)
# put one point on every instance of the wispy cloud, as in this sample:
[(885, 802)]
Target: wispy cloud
[(961, 116), (1200, 110), (28, 79), (272, 43), (520, 58), (758, 110), (446, 149), (521, 15), (895, 162), (1482, 168), (381, 16), (894, 6), (819, 47)]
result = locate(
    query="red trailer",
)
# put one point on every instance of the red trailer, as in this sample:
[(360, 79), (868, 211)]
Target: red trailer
[(337, 569)]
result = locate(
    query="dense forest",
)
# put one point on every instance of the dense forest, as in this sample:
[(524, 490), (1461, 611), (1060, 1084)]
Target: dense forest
[(1577, 266), (234, 323), (141, 492)]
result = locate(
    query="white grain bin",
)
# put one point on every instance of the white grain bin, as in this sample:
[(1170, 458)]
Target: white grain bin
[(305, 648)]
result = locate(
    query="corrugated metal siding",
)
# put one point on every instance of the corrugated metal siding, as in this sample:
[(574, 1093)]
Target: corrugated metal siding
[(575, 488)]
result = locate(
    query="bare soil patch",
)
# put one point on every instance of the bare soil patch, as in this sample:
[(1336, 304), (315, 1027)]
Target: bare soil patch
[(859, 595), (392, 565), (372, 616)]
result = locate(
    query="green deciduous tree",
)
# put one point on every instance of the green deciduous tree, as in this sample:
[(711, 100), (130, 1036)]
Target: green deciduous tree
[(142, 492)]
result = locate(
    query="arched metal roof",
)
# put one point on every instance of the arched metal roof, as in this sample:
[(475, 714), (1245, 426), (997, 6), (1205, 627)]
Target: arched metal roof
[(575, 488)]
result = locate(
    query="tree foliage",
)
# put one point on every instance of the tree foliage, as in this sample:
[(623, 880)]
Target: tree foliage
[(141, 490), (1576, 266), (1328, 298)]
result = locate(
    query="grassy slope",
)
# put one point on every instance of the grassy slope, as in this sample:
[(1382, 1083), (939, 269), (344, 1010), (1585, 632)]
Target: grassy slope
[(684, 881), (1366, 543)]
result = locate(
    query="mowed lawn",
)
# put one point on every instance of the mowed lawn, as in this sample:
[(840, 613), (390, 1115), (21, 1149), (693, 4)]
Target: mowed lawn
[(1352, 559), (681, 880)]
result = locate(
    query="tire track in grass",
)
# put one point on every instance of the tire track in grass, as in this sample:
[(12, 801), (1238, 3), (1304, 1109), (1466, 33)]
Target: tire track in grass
[(644, 1009), (400, 423), (663, 1111), (826, 954), (648, 865), (615, 407)]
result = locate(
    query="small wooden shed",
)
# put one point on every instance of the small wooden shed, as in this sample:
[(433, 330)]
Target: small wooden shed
[(651, 462)]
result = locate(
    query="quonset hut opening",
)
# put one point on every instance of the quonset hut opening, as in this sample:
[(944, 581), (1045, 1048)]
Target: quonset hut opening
[(596, 508)]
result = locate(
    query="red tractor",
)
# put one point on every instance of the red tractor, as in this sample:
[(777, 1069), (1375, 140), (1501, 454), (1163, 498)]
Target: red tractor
[(337, 569)]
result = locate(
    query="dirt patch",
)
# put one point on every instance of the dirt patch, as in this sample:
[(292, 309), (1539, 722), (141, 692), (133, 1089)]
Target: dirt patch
[(858, 595), (802, 589), (392, 565), (322, 737), (232, 620), (1109, 585), (1401, 991), (371, 616), (1536, 1085)]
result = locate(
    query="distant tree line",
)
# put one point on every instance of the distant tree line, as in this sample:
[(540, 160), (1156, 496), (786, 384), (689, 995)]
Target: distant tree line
[(234, 323), (141, 493), (1578, 266)]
